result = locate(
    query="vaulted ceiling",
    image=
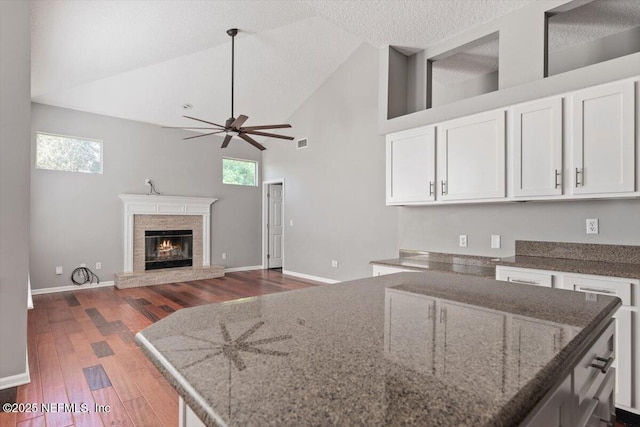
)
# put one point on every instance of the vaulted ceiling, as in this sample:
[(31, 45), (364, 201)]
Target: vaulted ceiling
[(143, 60)]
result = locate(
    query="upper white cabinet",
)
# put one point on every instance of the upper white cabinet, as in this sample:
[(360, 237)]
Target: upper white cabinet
[(411, 171), (537, 148), (603, 139), (471, 157)]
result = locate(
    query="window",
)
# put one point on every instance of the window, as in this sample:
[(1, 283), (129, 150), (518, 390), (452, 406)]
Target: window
[(67, 153), (239, 172)]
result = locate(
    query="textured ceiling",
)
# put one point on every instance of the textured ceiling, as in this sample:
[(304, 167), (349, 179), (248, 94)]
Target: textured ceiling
[(473, 62), (142, 60)]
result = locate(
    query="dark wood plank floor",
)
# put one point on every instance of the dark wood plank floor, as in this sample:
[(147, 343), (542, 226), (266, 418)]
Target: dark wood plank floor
[(82, 350)]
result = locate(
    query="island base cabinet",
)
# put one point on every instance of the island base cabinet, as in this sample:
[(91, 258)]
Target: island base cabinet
[(186, 416), (556, 412)]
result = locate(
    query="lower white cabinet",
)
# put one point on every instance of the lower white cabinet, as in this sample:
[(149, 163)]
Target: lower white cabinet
[(186, 416), (627, 360), (381, 270)]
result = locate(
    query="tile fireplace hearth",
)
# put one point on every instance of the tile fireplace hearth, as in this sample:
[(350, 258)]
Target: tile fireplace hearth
[(180, 245)]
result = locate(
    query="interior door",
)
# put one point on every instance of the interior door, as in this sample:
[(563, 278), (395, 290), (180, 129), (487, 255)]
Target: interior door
[(274, 225)]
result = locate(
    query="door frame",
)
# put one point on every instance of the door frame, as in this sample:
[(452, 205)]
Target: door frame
[(265, 219)]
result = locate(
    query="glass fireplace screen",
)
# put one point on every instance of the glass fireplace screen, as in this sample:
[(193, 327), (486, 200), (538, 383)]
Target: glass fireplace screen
[(168, 249)]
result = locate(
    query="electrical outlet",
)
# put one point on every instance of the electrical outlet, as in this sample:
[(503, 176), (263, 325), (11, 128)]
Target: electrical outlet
[(83, 265), (334, 263), (495, 241), (463, 240), (98, 265), (592, 226), (590, 296), (58, 270), (224, 255)]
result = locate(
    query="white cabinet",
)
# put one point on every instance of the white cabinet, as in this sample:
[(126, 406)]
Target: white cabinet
[(627, 360), (624, 328), (411, 166), (381, 270), (603, 139), (471, 157), (537, 148)]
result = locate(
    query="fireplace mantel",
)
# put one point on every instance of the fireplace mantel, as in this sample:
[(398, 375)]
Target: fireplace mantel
[(142, 204)]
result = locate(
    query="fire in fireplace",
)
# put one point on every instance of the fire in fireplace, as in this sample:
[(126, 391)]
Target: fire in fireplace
[(168, 249)]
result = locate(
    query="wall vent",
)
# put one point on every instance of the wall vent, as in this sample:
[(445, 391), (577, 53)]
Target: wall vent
[(302, 143)]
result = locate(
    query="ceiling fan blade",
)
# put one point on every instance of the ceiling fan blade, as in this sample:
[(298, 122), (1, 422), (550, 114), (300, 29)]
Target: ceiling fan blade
[(186, 127), (239, 121), (266, 127), (227, 140), (204, 121), (204, 134), (270, 135), (251, 141)]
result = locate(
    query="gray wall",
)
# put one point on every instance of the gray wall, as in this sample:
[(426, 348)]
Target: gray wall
[(436, 228), (335, 188), (15, 114), (77, 218)]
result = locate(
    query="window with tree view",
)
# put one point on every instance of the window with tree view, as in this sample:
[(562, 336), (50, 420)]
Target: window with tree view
[(66, 153), (239, 172)]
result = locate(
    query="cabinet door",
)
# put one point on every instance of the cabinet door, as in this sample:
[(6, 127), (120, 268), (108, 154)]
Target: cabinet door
[(411, 172), (478, 352), (471, 157), (624, 360), (537, 148), (409, 329), (603, 140)]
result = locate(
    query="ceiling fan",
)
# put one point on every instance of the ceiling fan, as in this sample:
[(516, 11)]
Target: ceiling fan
[(233, 126)]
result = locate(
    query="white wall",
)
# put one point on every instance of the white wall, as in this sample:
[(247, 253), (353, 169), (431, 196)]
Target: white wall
[(15, 114), (334, 188), (77, 218)]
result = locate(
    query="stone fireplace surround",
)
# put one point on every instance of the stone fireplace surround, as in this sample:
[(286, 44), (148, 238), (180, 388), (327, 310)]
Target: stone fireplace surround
[(146, 212)]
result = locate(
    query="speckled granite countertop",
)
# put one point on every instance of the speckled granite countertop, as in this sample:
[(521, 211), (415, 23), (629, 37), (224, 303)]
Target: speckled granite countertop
[(583, 258), (432, 349), (448, 263)]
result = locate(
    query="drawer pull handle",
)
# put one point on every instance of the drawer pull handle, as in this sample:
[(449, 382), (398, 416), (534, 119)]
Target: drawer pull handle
[(431, 188), (524, 282), (603, 291), (557, 184), (603, 365)]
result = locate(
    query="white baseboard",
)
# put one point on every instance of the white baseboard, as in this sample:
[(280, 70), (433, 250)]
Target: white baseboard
[(310, 277), (70, 288), (246, 268), (16, 380)]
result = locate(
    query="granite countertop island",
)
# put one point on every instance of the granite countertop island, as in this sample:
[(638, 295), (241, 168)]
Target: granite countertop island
[(421, 349)]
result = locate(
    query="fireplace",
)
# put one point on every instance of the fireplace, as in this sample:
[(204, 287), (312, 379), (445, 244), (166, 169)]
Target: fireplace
[(168, 249)]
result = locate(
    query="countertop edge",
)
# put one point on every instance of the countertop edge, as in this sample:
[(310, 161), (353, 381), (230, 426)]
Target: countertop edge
[(557, 373), (191, 397)]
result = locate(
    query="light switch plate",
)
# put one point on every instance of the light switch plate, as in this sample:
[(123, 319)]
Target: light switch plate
[(58, 270), (495, 241)]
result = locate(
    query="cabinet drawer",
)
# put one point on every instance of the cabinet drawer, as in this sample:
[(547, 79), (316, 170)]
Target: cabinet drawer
[(598, 408), (525, 277), (618, 289), (592, 369)]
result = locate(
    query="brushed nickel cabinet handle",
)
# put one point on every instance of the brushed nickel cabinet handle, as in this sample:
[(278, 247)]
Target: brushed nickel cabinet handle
[(602, 291), (557, 184), (524, 282), (578, 173), (602, 364), (431, 188), (443, 185)]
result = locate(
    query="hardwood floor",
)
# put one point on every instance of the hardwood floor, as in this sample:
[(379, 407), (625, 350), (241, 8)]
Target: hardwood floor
[(82, 350)]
